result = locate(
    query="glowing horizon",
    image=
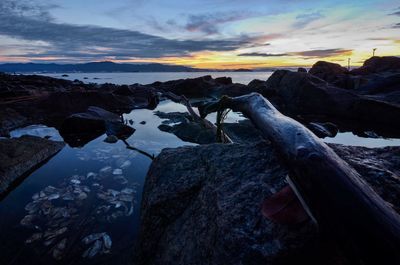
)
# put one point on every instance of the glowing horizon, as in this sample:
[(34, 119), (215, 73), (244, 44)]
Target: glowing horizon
[(202, 34)]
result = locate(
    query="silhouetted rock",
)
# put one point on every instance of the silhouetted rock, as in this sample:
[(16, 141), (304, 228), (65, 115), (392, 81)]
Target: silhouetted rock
[(19, 155), (223, 80), (336, 75), (378, 65), (301, 70)]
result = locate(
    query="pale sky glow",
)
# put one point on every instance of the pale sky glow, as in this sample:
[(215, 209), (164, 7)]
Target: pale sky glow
[(205, 34)]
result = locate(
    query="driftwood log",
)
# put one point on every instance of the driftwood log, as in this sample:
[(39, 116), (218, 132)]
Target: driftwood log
[(343, 205)]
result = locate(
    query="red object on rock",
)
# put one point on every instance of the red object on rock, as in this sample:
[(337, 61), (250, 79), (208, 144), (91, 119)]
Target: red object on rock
[(284, 208)]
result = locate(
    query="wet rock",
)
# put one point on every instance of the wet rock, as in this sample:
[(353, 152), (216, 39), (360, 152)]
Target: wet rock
[(19, 155), (202, 205), (142, 122), (111, 139)]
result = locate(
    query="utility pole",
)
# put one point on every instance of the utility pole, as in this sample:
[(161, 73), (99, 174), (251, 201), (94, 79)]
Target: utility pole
[(373, 52), (348, 63)]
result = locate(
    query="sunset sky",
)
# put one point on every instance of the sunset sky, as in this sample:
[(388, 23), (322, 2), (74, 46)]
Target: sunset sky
[(204, 33)]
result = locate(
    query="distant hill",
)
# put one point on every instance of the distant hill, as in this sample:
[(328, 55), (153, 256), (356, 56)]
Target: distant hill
[(92, 67)]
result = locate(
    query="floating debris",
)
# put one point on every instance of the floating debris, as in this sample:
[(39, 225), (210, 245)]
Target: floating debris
[(121, 180), (90, 238), (81, 200), (126, 164), (33, 238), (117, 171), (107, 241), (93, 250), (75, 181), (54, 196)]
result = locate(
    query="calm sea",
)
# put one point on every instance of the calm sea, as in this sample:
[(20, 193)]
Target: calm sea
[(148, 78)]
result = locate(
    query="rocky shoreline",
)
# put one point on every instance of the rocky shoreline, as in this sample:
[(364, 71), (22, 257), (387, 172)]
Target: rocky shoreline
[(201, 205)]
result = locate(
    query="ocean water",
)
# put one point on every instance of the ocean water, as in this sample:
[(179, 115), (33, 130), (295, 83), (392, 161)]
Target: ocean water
[(148, 78)]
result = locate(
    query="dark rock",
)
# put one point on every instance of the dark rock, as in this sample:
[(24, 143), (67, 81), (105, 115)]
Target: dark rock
[(382, 84), (305, 94), (378, 65), (322, 69), (261, 87), (223, 80), (323, 130), (94, 119), (204, 86), (336, 75), (301, 70), (143, 122), (65, 75), (111, 139), (190, 132), (80, 128), (201, 205), (19, 155)]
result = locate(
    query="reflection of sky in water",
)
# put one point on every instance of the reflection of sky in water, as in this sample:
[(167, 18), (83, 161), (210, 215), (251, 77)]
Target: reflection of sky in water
[(70, 162), (348, 138)]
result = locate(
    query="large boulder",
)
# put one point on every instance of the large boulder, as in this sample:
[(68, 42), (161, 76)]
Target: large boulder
[(378, 65), (19, 155), (202, 205), (307, 95), (336, 75)]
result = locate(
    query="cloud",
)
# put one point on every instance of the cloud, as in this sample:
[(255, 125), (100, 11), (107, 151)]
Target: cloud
[(396, 26), (322, 53), (23, 20), (306, 54), (257, 54), (305, 19), (208, 23)]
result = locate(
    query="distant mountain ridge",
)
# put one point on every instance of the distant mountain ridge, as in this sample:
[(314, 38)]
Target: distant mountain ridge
[(92, 67)]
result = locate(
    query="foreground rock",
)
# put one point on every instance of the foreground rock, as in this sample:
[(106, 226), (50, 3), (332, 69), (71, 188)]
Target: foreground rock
[(19, 155), (201, 205)]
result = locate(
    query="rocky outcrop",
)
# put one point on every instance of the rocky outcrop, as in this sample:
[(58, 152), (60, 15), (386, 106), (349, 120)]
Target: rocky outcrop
[(378, 65), (202, 205), (204, 86), (336, 74), (19, 155), (305, 94)]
